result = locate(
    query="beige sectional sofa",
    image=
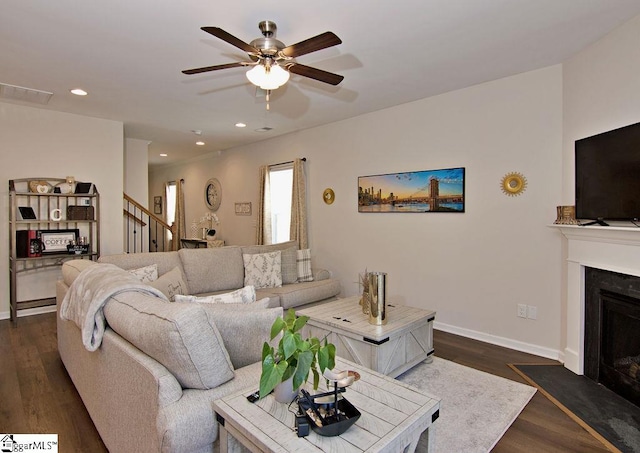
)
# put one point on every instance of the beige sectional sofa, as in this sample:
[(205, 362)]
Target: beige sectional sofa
[(150, 384)]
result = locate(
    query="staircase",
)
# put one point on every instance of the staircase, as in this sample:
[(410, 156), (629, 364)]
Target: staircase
[(143, 230)]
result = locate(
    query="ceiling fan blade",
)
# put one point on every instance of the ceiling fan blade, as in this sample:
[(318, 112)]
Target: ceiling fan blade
[(315, 73), (215, 68), (326, 39), (228, 37)]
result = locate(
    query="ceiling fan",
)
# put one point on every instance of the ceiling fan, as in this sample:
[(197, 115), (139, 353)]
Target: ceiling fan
[(271, 60)]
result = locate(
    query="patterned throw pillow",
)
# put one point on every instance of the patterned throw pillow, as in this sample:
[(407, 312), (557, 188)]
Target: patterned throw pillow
[(146, 274), (246, 295), (304, 266), (263, 270), (171, 283)]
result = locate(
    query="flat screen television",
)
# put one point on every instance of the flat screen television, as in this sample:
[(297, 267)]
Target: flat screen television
[(608, 175)]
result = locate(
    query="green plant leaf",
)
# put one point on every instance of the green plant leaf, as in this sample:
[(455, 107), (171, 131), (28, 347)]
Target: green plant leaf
[(302, 370), (290, 318), (300, 322), (277, 327), (289, 371), (271, 375), (266, 350), (316, 378), (304, 345), (327, 357), (289, 344)]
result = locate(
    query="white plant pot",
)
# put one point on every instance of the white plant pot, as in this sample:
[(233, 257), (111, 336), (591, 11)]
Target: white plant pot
[(284, 392)]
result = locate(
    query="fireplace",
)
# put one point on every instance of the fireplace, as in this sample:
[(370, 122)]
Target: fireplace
[(612, 331)]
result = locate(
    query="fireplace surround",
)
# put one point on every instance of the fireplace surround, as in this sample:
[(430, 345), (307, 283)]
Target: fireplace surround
[(612, 331), (615, 249)]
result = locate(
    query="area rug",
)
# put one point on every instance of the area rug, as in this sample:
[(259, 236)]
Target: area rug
[(476, 408), (611, 419)]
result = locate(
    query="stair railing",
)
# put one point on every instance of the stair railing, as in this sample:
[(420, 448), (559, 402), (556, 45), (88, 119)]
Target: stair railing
[(143, 230)]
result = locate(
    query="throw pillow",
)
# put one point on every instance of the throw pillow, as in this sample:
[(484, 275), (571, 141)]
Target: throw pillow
[(258, 305), (304, 266), (288, 257), (171, 283), (179, 336), (246, 295), (263, 270), (243, 333), (146, 274)]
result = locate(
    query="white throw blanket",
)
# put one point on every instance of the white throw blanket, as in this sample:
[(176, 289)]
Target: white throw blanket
[(94, 286)]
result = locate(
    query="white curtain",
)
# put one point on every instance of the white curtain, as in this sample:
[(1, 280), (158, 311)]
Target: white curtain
[(263, 228), (298, 229), (178, 229)]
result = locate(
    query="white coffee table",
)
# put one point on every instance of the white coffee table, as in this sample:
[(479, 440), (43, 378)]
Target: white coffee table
[(394, 416), (403, 342)]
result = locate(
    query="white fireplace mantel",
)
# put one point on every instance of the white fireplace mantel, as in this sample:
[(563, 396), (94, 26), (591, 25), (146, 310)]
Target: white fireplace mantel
[(613, 248)]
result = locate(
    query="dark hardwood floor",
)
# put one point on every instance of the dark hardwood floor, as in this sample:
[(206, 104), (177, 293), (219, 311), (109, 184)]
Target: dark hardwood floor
[(37, 395)]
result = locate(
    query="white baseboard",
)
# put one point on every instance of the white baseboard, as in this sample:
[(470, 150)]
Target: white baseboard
[(501, 341), (29, 312)]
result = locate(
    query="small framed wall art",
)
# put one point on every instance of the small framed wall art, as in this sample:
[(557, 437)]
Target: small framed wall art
[(243, 208), (157, 205), (56, 241)]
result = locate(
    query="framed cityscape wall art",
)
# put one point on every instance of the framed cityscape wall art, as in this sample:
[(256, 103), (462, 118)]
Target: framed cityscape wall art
[(416, 191)]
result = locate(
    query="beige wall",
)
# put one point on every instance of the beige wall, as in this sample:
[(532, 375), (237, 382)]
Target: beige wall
[(43, 143), (136, 170), (472, 268)]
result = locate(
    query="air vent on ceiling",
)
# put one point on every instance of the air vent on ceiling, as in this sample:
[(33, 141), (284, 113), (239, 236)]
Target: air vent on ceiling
[(264, 129), (24, 94)]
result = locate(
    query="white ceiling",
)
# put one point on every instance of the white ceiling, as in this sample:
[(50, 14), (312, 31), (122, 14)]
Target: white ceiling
[(128, 55)]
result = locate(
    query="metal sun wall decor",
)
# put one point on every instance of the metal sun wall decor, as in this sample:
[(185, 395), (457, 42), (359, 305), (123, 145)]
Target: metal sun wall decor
[(418, 191)]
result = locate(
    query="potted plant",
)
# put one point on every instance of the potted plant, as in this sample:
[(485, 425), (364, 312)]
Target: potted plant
[(294, 356)]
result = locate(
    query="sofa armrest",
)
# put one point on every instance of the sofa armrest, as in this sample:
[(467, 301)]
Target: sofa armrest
[(320, 274)]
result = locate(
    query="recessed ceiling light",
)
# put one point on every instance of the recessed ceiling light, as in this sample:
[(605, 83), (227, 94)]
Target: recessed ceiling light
[(79, 92), (241, 125), (163, 154), (200, 143)]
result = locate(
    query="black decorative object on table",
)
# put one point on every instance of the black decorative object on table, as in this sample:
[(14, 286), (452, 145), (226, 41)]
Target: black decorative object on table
[(332, 416)]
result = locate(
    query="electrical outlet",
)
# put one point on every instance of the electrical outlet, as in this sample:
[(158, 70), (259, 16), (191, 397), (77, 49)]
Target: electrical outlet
[(522, 311), (532, 312)]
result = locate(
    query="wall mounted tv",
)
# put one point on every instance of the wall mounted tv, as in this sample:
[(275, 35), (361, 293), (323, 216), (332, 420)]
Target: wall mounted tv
[(608, 175)]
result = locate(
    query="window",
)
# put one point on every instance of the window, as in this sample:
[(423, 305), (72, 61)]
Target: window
[(281, 187), (171, 204)]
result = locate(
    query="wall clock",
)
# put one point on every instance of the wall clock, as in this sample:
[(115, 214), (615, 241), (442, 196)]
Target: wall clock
[(213, 194)]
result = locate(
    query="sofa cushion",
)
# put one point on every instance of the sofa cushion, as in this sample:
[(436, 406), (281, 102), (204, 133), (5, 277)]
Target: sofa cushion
[(212, 269), (166, 261), (146, 274), (302, 293), (305, 274), (71, 269), (288, 258), (243, 331), (171, 283), (179, 336), (246, 295), (263, 270)]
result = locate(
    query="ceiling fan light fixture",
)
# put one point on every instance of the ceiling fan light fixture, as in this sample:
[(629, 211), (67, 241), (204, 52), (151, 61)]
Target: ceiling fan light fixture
[(270, 79)]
